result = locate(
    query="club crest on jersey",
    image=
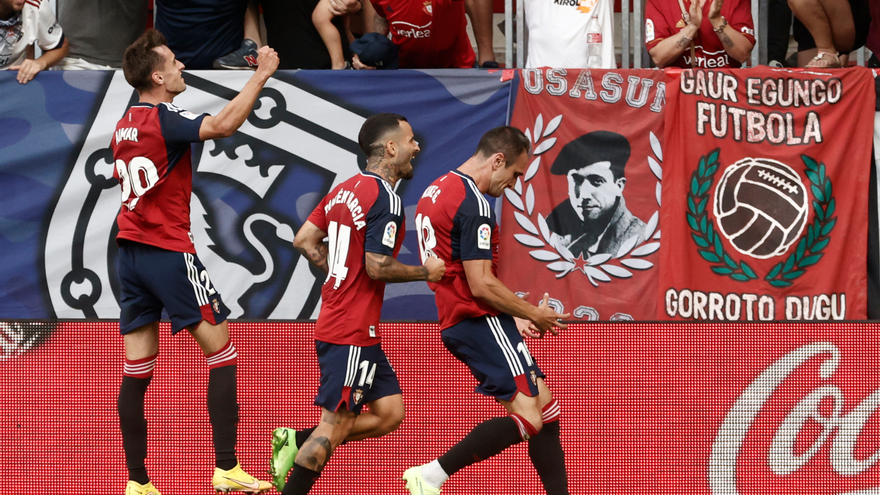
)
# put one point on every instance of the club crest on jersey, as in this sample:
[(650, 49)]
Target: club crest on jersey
[(216, 305), (428, 8), (484, 236), (390, 234), (358, 396), (534, 378)]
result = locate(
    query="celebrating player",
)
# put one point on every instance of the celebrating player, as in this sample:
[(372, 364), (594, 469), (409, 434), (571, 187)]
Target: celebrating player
[(158, 267), (362, 219), (482, 322)]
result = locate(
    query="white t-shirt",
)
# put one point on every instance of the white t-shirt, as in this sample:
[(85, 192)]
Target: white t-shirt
[(558, 32), (38, 25)]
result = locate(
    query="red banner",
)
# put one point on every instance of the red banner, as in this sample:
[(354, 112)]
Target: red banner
[(582, 223), (765, 195)]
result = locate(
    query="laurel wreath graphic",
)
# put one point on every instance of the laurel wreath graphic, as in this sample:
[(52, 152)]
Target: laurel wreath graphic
[(810, 246), (599, 267), (709, 243)]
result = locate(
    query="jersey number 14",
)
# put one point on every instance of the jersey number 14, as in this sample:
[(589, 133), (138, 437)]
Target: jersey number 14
[(339, 237)]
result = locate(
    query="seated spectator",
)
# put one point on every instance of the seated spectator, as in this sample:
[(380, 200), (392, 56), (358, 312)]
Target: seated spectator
[(558, 33), (828, 30), (99, 31), (481, 14), (778, 32), (703, 33), (23, 23), (202, 31), (323, 17), (290, 30), (428, 35)]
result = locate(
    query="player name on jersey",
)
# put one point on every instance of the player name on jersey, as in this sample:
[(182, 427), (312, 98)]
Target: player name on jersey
[(126, 134), (432, 192), (348, 198)]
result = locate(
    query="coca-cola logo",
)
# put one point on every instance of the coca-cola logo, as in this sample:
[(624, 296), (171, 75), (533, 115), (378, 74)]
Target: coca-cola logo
[(818, 430)]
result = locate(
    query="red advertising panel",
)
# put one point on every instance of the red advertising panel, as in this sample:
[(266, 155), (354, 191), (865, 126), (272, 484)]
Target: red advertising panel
[(764, 199), (583, 220), (646, 408)]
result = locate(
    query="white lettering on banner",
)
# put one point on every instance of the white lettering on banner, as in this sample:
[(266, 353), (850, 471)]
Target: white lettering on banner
[(782, 457), (774, 127), (715, 306), (823, 307), (753, 126), (638, 90)]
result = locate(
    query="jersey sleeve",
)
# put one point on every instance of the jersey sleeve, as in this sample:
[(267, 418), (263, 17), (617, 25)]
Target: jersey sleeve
[(179, 126), (741, 20), (49, 33), (476, 234), (656, 27), (384, 222), (318, 217)]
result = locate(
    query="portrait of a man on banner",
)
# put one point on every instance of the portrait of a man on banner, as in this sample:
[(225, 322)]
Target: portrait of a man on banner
[(594, 219)]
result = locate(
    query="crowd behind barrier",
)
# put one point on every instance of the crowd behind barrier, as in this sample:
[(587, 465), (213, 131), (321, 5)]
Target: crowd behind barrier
[(227, 35)]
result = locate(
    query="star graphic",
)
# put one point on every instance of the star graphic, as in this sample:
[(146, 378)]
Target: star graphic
[(580, 263)]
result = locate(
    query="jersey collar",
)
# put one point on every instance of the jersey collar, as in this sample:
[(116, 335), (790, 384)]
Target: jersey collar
[(374, 175)]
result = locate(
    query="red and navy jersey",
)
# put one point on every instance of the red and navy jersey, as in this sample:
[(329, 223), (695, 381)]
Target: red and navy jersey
[(456, 223), (153, 156), (361, 215), (431, 34)]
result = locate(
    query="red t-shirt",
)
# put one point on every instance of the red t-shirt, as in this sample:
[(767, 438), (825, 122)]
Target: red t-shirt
[(429, 34), (361, 215), (455, 223), (663, 19), (153, 163)]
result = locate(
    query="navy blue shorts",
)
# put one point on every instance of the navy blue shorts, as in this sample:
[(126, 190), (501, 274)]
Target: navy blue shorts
[(353, 376), (151, 278), (493, 349)]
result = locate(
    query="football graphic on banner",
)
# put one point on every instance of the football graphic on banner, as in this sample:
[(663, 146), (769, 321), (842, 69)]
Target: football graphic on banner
[(761, 206)]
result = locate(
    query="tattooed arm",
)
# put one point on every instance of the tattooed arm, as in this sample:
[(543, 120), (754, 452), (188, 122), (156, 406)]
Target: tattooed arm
[(667, 51), (310, 242), (735, 43)]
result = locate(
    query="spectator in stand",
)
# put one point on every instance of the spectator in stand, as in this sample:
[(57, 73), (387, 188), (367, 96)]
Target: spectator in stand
[(778, 32), (290, 30), (323, 17), (558, 33), (700, 33), (428, 35), (828, 30), (205, 34), (481, 13), (99, 31), (22, 24)]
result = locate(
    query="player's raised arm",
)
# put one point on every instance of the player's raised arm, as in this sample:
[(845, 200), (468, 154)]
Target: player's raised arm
[(486, 287), (225, 123), (310, 242), (388, 269)]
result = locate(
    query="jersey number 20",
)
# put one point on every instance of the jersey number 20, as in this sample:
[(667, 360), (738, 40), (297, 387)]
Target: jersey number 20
[(138, 176)]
